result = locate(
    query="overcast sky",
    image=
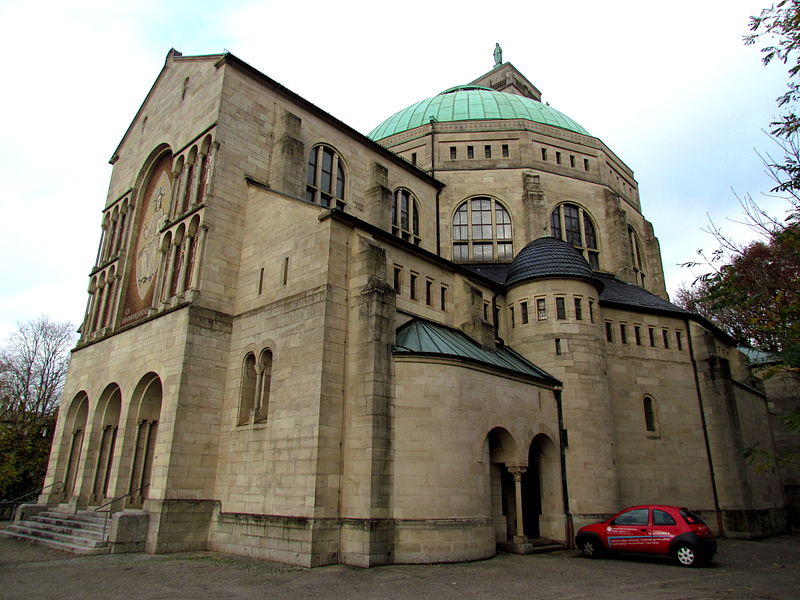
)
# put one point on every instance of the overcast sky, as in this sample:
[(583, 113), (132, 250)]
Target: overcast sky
[(669, 87)]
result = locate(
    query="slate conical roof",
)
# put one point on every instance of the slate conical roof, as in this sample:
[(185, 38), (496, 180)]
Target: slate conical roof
[(549, 257)]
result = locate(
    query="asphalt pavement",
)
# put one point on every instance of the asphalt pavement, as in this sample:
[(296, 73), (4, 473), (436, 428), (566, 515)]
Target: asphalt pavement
[(763, 569)]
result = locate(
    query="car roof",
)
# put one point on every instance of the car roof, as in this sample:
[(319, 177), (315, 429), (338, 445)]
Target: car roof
[(660, 506)]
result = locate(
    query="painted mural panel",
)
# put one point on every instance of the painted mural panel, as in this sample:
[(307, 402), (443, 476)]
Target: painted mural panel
[(154, 205)]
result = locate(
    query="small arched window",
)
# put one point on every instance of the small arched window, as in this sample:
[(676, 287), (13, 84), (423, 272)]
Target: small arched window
[(264, 379), (571, 223), (636, 257), (325, 178), (649, 414), (405, 216), (248, 391), (482, 231), (256, 383)]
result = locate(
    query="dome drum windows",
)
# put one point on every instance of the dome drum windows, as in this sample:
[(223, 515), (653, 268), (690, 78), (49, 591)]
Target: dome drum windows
[(405, 216), (325, 178), (482, 231), (571, 223)]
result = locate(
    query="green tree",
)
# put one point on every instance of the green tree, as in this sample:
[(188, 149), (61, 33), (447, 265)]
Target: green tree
[(33, 367)]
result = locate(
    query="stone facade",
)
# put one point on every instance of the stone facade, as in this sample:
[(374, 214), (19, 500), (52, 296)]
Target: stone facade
[(238, 376)]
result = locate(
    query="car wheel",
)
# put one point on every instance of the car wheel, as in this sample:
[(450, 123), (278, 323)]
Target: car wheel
[(590, 548), (686, 555)]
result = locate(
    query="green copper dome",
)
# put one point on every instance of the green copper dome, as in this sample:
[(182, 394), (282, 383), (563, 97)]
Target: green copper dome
[(473, 103)]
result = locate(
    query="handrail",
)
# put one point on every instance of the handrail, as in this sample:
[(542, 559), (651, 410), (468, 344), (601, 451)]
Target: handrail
[(108, 512), (36, 492), (131, 493), (8, 507)]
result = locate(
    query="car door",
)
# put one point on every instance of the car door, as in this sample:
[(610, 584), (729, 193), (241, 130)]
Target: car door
[(664, 528), (630, 531)]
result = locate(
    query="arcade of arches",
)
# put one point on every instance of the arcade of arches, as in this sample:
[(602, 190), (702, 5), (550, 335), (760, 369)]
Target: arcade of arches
[(525, 490), (107, 446)]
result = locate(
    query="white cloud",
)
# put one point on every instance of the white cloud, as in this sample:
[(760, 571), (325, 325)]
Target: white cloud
[(669, 87)]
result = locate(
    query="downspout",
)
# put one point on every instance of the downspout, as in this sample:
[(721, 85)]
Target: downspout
[(562, 443), (717, 509), (439, 190), (496, 321)]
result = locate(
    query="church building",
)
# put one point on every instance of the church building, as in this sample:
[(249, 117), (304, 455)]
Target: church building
[(314, 346)]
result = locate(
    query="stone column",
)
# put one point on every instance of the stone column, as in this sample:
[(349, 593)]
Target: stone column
[(159, 291), (519, 533), (194, 276), (123, 230), (171, 254), (99, 312), (184, 177), (181, 286), (212, 158), (198, 180), (256, 411)]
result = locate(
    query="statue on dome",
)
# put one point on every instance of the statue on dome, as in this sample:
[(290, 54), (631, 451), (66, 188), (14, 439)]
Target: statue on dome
[(498, 55)]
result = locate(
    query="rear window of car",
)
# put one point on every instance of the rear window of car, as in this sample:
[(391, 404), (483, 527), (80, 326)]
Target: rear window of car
[(662, 518), (691, 518)]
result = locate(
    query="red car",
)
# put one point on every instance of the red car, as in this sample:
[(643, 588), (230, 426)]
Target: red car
[(651, 529)]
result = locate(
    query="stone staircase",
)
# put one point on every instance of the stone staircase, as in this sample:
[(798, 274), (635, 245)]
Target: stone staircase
[(532, 546), (80, 533)]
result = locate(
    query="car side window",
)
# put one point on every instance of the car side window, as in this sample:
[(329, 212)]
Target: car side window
[(662, 518), (632, 517)]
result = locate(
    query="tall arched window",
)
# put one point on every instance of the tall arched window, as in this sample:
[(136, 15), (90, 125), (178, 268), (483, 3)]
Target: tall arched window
[(636, 257), (569, 222), (482, 231), (264, 375), (325, 179), (649, 414), (248, 391), (405, 216)]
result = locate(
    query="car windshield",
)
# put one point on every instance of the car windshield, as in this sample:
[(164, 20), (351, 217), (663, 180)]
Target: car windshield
[(691, 518)]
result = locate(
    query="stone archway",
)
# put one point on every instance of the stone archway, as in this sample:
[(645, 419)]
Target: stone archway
[(532, 493), (72, 441), (144, 430), (502, 488), (106, 428), (543, 513)]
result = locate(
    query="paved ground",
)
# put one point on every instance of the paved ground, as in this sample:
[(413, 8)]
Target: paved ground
[(766, 569)]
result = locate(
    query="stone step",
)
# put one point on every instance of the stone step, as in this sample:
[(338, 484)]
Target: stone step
[(532, 546), (56, 544), (91, 534), (69, 537), (88, 516), (64, 520)]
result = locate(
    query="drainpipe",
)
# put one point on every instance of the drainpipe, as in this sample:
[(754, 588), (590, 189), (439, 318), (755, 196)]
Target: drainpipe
[(496, 321), (562, 443), (432, 121), (717, 509)]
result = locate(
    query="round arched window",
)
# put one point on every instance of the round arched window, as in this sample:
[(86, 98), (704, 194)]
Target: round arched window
[(571, 223), (636, 257), (405, 216), (482, 231), (325, 178)]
